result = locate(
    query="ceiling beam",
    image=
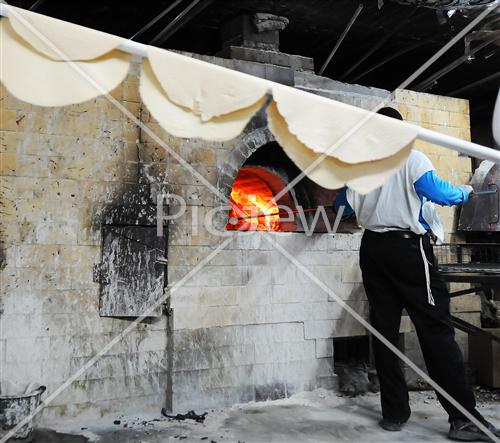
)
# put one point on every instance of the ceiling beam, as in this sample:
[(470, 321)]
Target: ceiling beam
[(156, 19), (341, 38), (193, 9), (379, 44)]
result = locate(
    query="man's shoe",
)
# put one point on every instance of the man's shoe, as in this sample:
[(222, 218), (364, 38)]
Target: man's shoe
[(390, 425), (465, 430)]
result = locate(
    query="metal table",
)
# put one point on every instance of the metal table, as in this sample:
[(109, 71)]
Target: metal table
[(474, 263)]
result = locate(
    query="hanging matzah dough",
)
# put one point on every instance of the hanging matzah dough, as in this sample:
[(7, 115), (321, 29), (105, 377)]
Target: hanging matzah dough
[(61, 40), (206, 89), (183, 122), (329, 172), (193, 98), (350, 134), (210, 91), (40, 80)]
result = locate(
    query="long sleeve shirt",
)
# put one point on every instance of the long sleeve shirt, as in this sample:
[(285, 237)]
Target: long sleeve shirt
[(437, 190), (429, 187)]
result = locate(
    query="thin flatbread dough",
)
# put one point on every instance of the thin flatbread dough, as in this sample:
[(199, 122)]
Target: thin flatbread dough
[(34, 78), (350, 134), (206, 89), (329, 172), (61, 40), (182, 122)]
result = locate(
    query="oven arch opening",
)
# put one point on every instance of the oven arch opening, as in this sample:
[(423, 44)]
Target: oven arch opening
[(261, 177)]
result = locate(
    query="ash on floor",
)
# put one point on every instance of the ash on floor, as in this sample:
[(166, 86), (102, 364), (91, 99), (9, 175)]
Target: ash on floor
[(318, 416)]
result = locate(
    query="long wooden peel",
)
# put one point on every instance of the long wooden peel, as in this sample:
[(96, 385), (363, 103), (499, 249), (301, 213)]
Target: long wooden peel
[(293, 211)]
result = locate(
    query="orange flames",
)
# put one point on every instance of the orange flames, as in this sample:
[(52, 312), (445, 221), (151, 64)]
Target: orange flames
[(251, 198)]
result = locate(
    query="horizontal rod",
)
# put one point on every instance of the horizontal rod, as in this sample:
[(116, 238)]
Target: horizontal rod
[(459, 145), (495, 191), (447, 141)]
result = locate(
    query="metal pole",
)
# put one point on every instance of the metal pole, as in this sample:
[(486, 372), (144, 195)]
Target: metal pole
[(36, 5), (388, 59), (341, 38), (173, 25), (378, 45), (473, 85), (156, 19), (431, 81), (457, 144)]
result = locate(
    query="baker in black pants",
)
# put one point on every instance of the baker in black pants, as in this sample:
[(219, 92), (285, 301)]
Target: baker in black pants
[(399, 272)]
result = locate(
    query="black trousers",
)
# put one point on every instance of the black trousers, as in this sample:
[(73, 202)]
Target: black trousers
[(394, 277)]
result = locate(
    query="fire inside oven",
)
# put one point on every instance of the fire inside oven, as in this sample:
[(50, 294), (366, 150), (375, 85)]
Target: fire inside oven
[(261, 200), (254, 206)]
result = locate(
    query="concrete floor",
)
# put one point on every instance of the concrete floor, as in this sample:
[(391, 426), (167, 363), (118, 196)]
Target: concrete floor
[(319, 416)]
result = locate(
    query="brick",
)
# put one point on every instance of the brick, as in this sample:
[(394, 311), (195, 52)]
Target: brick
[(295, 371), (344, 327), (18, 375), (459, 120), (186, 318), (471, 317), (57, 233), (296, 293), (320, 329), (22, 302), (8, 119), (214, 357), (324, 348), (405, 325), (213, 378), (131, 91), (10, 142), (200, 155), (465, 303), (250, 240), (208, 296), (344, 242), (209, 276), (8, 163), (198, 338), (352, 274), (27, 350), (275, 333)]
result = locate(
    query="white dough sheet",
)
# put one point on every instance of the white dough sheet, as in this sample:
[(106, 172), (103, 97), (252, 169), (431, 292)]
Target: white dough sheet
[(49, 62), (333, 143)]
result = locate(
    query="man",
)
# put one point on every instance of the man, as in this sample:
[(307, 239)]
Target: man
[(399, 272)]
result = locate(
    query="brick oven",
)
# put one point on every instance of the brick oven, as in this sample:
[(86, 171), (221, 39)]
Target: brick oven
[(80, 193)]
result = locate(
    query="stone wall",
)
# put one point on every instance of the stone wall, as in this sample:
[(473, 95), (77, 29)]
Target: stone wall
[(60, 169), (248, 326)]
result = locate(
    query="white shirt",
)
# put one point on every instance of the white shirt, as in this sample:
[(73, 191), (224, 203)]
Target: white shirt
[(396, 205)]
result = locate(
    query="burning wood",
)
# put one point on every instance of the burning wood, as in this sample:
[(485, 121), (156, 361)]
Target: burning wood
[(256, 209)]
